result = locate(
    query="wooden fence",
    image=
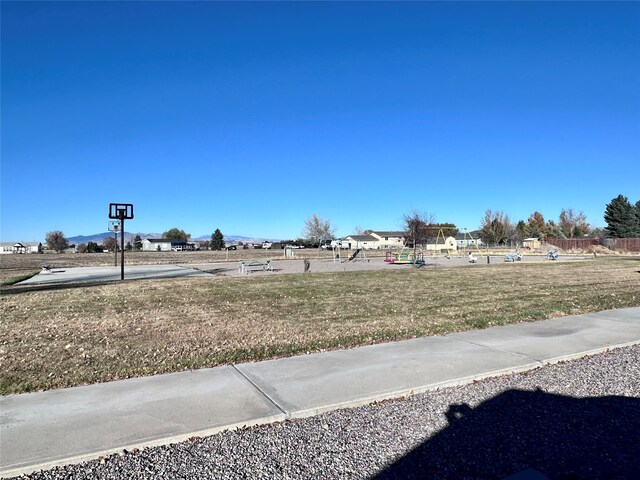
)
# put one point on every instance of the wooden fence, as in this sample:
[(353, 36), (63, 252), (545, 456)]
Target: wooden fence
[(573, 243), (623, 244), (620, 244)]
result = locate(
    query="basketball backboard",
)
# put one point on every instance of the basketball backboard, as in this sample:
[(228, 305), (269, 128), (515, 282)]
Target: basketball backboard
[(121, 211)]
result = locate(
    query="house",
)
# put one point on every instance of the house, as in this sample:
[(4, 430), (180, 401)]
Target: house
[(468, 239), (21, 247), (448, 244), (388, 239), (376, 240), (367, 242), (167, 245), (531, 243)]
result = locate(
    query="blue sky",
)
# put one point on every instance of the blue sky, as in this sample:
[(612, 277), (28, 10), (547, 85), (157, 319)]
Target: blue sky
[(250, 117)]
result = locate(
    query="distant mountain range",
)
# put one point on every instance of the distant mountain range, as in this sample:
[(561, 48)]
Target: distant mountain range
[(99, 238)]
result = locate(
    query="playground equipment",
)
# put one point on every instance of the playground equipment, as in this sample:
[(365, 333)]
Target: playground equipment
[(357, 253), (469, 243), (448, 246), (512, 257), (404, 257)]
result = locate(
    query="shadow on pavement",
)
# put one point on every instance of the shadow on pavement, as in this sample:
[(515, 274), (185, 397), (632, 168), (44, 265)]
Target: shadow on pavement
[(557, 436)]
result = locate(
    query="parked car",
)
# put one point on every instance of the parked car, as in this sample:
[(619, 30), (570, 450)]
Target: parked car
[(232, 247)]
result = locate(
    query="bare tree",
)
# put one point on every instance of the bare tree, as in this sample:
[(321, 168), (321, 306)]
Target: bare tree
[(357, 230), (317, 229), (110, 243), (416, 225), (56, 241), (572, 224)]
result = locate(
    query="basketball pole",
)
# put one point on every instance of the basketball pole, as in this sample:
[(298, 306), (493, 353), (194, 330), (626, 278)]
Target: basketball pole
[(122, 246)]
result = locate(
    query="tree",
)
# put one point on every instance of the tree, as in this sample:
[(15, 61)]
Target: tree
[(128, 246), (81, 248), (176, 234), (316, 229), (204, 245), (217, 240), (495, 227), (110, 244), (416, 225), (536, 225), (137, 242), (521, 231), (93, 247), (56, 241), (433, 229), (554, 230), (572, 224), (622, 218)]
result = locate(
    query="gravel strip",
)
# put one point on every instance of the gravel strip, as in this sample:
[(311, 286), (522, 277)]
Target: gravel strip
[(576, 419)]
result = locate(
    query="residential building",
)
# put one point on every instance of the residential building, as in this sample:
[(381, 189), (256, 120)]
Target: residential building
[(21, 247), (167, 245)]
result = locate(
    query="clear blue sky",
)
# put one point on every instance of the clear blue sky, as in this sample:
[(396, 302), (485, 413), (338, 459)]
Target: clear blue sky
[(250, 117)]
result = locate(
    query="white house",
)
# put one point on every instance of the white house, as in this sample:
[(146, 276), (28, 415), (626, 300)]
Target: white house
[(469, 239), (377, 240), (21, 247), (167, 245)]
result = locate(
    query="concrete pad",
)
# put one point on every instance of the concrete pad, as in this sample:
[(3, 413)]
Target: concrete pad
[(39, 430), (104, 274), (561, 338), (307, 385)]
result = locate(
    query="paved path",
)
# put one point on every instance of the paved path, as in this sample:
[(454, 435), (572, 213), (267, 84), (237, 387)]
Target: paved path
[(39, 430)]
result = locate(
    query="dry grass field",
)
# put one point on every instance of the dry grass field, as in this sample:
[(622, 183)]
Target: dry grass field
[(84, 335)]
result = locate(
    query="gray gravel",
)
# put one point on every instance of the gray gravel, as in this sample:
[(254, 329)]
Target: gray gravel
[(577, 419)]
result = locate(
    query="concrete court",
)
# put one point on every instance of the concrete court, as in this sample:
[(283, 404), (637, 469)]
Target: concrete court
[(106, 274), (43, 429)]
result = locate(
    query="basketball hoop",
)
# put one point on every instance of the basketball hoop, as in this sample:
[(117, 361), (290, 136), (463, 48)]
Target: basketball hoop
[(120, 212)]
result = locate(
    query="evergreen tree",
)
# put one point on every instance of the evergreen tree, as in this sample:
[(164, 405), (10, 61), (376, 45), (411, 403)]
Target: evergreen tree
[(137, 242), (621, 218), (217, 240), (537, 225)]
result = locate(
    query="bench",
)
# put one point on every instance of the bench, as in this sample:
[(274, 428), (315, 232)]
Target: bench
[(254, 265)]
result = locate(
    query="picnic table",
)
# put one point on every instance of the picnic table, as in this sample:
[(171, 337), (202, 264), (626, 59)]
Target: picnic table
[(254, 265)]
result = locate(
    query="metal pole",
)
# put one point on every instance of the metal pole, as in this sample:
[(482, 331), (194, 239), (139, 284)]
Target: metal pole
[(122, 250), (115, 248)]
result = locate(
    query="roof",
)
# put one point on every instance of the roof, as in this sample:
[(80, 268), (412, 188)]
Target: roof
[(363, 238), (532, 239), (173, 241), (385, 233), (24, 244)]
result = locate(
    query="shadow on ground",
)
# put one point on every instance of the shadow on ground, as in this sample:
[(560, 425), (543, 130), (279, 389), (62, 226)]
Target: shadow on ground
[(557, 436)]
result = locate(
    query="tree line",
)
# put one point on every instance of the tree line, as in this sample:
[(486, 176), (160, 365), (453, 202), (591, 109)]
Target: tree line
[(621, 216)]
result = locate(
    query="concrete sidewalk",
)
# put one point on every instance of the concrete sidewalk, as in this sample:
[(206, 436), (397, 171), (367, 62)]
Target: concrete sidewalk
[(40, 430)]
